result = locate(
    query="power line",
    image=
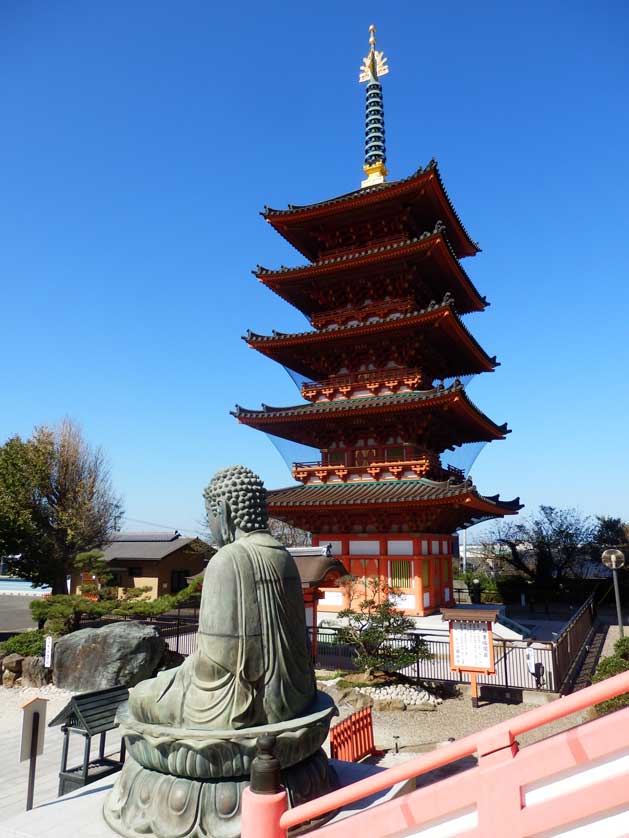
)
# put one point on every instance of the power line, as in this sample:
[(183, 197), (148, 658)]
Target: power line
[(165, 526)]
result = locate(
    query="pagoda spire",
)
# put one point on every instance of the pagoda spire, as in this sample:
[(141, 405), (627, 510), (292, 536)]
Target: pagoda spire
[(373, 67)]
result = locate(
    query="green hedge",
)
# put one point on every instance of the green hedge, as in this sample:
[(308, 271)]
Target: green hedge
[(62, 613), (27, 643), (608, 667), (621, 648)]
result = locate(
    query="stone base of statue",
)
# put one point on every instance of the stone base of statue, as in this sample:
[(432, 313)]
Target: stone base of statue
[(189, 782)]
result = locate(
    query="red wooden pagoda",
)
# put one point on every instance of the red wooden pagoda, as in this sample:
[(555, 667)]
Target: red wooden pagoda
[(384, 290)]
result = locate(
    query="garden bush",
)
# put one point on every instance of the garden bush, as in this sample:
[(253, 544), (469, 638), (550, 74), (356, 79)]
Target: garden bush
[(26, 643), (621, 648), (607, 668), (62, 613)]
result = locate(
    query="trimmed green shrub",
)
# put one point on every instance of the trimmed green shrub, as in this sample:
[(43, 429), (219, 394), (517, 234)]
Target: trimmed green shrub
[(607, 668), (63, 612), (26, 643), (621, 648)]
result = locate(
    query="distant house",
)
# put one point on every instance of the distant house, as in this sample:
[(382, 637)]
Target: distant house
[(160, 561)]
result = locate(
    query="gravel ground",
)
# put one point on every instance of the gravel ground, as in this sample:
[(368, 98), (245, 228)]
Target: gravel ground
[(613, 634), (11, 702), (420, 731)]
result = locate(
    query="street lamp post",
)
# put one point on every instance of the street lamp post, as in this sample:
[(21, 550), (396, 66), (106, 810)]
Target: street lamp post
[(615, 559)]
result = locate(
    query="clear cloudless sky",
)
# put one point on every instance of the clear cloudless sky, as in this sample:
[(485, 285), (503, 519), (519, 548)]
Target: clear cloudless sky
[(141, 139)]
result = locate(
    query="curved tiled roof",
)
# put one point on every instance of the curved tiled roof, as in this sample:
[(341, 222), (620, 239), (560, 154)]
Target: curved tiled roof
[(382, 492), (294, 210), (286, 281), (373, 324), (367, 404), (439, 229)]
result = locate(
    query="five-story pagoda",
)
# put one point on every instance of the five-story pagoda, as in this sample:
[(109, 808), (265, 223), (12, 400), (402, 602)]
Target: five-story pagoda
[(384, 291)]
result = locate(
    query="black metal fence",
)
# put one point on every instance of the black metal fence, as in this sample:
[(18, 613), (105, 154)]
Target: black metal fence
[(519, 664)]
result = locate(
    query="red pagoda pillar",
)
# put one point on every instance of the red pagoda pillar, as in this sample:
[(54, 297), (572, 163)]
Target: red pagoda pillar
[(384, 290)]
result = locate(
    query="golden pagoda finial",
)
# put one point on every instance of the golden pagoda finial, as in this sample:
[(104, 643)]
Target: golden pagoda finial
[(372, 36), (375, 64)]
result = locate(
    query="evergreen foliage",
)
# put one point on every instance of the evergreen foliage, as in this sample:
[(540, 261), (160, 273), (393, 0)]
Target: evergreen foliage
[(26, 643), (62, 614), (376, 629), (607, 668)]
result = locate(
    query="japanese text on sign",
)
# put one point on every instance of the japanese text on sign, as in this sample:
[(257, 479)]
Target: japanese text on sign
[(470, 645)]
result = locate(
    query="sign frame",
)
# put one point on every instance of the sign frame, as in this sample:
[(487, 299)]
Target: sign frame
[(483, 670), (485, 616)]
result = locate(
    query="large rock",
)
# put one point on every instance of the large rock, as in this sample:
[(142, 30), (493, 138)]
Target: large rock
[(122, 654), (33, 672), (8, 679), (359, 700), (388, 704), (13, 663)]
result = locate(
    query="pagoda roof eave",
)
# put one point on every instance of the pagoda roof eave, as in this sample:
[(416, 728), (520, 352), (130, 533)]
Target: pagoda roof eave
[(443, 314), (294, 216), (287, 282), (392, 494), (288, 422)]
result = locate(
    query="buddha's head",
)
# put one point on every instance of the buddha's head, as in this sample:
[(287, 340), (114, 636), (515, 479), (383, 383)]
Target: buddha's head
[(235, 502)]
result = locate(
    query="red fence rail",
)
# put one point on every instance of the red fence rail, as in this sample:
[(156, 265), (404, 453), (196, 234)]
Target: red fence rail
[(575, 777), (352, 739)]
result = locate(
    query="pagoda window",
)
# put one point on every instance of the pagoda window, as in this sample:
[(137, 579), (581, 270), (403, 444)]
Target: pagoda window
[(394, 453), (445, 570), (426, 574), (400, 573), (336, 458), (424, 548), (434, 548), (365, 456)]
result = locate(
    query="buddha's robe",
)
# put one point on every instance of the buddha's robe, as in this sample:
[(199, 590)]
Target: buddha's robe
[(252, 664)]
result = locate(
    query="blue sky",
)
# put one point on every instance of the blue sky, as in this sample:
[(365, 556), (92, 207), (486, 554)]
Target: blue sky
[(140, 141)]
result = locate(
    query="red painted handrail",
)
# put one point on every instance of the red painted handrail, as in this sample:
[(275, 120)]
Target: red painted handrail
[(484, 742), (352, 739)]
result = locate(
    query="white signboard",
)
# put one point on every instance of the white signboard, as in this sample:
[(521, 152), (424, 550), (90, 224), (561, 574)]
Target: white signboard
[(471, 647), (48, 652), (36, 705)]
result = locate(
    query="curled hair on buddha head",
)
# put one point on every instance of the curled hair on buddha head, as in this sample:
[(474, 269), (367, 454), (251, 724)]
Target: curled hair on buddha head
[(244, 493)]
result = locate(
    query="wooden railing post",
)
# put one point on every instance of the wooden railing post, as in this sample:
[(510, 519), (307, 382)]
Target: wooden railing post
[(264, 801)]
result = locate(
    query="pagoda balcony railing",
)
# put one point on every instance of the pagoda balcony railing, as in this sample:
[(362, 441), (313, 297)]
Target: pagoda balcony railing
[(421, 467), (343, 384), (343, 316), (453, 471)]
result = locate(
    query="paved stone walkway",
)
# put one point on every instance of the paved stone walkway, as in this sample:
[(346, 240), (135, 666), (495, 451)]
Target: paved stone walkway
[(15, 614), (14, 774)]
